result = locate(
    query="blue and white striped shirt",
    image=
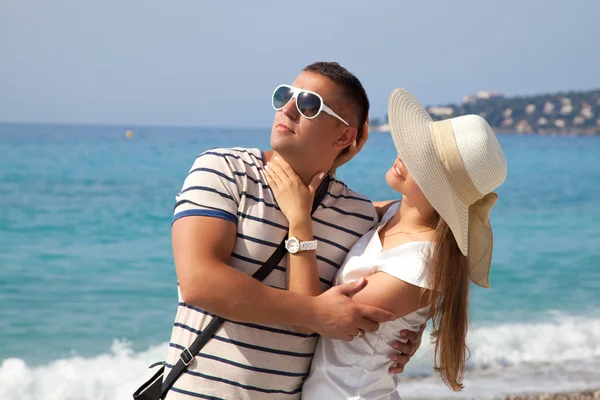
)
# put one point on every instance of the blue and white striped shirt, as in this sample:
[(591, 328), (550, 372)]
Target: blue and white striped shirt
[(250, 361)]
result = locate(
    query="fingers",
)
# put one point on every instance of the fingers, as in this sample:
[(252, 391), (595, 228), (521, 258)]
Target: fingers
[(365, 127), (394, 369), (280, 162), (273, 179), (270, 180), (399, 361), (405, 350), (364, 137), (276, 168), (368, 325), (357, 146), (409, 335), (408, 348), (362, 142), (353, 149), (360, 333), (314, 183), (351, 288), (376, 314)]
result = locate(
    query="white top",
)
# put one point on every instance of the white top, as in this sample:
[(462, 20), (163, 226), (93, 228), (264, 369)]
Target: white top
[(359, 369)]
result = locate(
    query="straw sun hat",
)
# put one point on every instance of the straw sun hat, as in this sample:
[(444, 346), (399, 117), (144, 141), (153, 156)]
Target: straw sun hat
[(457, 163)]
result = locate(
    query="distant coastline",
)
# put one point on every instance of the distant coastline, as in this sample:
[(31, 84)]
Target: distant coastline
[(563, 113)]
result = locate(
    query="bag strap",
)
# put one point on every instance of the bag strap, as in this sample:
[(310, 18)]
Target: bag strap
[(188, 354)]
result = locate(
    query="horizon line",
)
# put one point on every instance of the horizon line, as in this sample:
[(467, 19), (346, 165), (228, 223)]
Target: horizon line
[(129, 126)]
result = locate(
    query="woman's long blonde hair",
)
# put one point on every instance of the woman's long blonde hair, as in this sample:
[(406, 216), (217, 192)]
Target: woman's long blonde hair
[(448, 275)]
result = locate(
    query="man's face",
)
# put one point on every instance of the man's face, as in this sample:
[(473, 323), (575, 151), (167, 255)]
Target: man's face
[(295, 137)]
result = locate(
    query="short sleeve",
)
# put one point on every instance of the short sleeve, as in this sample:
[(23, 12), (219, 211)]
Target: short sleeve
[(408, 264), (210, 189)]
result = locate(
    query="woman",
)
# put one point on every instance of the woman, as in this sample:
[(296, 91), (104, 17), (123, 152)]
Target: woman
[(418, 260)]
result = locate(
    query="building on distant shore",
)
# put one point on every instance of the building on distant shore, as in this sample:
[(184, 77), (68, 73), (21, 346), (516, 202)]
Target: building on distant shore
[(443, 112), (570, 113), (483, 95)]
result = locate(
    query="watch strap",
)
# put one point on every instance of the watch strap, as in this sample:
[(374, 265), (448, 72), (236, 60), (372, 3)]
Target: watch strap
[(308, 245)]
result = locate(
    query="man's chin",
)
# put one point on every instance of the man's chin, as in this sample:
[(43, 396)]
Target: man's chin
[(281, 145)]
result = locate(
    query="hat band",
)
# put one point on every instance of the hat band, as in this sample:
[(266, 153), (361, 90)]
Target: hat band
[(452, 162)]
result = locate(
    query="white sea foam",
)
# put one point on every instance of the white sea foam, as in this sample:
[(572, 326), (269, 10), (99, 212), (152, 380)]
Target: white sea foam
[(105, 377), (560, 339), (562, 354)]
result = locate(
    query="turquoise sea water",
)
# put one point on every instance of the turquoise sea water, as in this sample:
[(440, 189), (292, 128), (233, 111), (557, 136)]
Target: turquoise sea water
[(88, 288)]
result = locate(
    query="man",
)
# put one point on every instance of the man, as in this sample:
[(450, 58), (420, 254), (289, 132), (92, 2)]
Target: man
[(227, 224)]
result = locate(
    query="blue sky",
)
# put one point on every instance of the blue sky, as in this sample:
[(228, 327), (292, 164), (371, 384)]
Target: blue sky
[(216, 63)]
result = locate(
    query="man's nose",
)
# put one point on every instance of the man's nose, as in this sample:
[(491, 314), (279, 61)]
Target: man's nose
[(290, 110)]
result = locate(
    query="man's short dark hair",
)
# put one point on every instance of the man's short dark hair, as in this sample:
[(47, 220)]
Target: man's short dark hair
[(353, 91)]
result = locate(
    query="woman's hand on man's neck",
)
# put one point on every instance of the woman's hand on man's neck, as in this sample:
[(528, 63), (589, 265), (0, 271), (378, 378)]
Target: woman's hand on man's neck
[(305, 170)]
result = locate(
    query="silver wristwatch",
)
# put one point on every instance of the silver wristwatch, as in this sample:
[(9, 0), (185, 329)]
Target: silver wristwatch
[(293, 245)]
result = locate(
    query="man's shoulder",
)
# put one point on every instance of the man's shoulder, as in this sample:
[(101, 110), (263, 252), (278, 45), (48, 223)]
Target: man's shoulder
[(234, 153), (351, 201), (340, 190), (231, 158)]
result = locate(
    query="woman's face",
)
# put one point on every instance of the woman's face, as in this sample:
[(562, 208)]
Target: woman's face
[(399, 179)]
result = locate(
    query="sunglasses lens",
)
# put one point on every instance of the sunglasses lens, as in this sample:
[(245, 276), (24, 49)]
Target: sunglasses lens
[(282, 96), (309, 104)]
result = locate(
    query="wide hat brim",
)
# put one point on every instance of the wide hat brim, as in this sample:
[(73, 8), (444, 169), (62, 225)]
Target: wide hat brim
[(412, 131)]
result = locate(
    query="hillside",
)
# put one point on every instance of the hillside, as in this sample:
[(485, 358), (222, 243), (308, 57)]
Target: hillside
[(559, 113)]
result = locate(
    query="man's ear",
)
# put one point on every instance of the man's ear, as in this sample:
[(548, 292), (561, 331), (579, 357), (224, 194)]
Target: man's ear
[(347, 137)]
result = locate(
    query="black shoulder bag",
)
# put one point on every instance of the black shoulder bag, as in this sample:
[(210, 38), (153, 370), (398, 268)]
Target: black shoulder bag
[(155, 388)]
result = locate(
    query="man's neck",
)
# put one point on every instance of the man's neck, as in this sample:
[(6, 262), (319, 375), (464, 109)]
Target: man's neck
[(305, 170)]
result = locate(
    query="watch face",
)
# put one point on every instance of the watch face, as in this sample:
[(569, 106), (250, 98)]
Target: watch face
[(293, 246)]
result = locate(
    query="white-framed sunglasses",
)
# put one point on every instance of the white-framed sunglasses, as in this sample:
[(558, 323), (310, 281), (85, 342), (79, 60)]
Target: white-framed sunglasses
[(309, 104)]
